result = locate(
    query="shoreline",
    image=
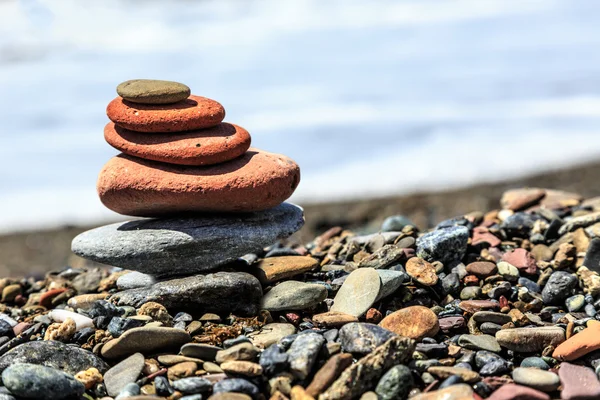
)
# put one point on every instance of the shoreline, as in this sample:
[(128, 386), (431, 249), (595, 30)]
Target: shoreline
[(36, 252)]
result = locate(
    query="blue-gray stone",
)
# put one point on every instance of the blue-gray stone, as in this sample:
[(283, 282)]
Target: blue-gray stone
[(560, 286), (445, 245), (162, 386), (362, 337), (32, 381), (535, 362), (395, 223), (221, 293), (490, 328), (236, 385), (451, 284), (592, 255), (274, 360), (184, 246), (529, 284), (303, 353), (130, 390), (390, 282), (192, 385), (395, 383)]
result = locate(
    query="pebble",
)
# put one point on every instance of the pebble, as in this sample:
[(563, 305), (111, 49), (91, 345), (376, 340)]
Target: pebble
[(303, 354), (517, 392), (362, 338), (445, 372), (560, 286), (126, 371), (482, 269), (479, 342), (192, 385), (270, 334), (237, 385), (421, 271), (218, 144), (81, 321), (145, 340), (191, 244), (538, 379), (578, 382), (526, 340), (328, 373), (130, 391), (239, 352), (508, 271), (293, 295), (522, 260), (85, 301), (415, 322), (461, 391), (395, 383), (444, 245), (333, 319), (579, 345), (39, 382), (242, 368), (358, 293), (200, 350), (535, 362), (151, 91), (274, 269), (218, 292), (391, 281), (395, 223), (135, 280)]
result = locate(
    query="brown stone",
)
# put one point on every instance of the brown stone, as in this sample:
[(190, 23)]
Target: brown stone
[(422, 271), (415, 322), (472, 306), (273, 269), (85, 301), (190, 114), (521, 259), (151, 91), (579, 345), (517, 392), (298, 393), (182, 370), (230, 396), (445, 372), (209, 146), (482, 269), (256, 181), (449, 323), (519, 199), (541, 252), (145, 339), (243, 368), (328, 373), (333, 319), (557, 199), (462, 391)]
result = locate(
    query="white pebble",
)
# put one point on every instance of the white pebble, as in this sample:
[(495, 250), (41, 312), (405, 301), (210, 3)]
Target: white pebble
[(81, 321), (8, 319)]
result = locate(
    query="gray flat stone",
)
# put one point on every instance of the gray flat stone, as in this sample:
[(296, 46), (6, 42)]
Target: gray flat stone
[(391, 281), (358, 293), (221, 293), (180, 246), (135, 280), (294, 295), (145, 340), (125, 372)]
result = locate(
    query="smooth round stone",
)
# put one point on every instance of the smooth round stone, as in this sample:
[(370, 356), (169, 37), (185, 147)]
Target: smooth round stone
[(236, 385), (193, 113), (81, 321), (528, 340), (479, 342), (85, 301), (534, 362), (362, 337), (256, 181), (151, 91), (54, 354), (421, 271), (32, 381), (202, 351), (470, 292), (508, 271), (209, 146), (145, 340), (415, 322), (293, 295), (271, 333), (239, 352), (395, 383), (536, 378), (358, 293), (127, 371), (445, 372), (274, 269), (183, 246), (482, 269), (575, 303)]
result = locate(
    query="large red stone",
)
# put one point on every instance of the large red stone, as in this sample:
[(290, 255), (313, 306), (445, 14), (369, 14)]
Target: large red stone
[(214, 145), (258, 180), (190, 114)]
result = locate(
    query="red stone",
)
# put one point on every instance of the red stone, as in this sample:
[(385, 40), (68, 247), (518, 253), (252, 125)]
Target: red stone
[(256, 181), (190, 114), (21, 327), (521, 259), (578, 382), (47, 297), (373, 316), (472, 306), (449, 323), (482, 235), (214, 145), (518, 392)]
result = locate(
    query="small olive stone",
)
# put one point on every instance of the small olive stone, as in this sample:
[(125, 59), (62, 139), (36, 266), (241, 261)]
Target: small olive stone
[(149, 91)]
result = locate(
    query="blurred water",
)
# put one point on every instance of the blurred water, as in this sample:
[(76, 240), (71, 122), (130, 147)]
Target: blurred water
[(369, 97)]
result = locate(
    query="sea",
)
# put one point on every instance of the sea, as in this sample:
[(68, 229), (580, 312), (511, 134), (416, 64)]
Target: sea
[(371, 98)]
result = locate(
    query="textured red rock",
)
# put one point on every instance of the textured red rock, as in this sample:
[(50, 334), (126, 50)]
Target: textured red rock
[(482, 235), (578, 382), (190, 114), (415, 322), (518, 392), (579, 345), (214, 145), (258, 180), (521, 259)]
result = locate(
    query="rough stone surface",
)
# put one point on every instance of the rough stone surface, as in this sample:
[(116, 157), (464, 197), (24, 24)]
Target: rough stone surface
[(415, 322), (271, 333), (39, 382), (175, 246), (421, 271), (395, 383), (560, 286), (303, 353), (363, 338), (152, 91), (209, 146), (578, 382), (328, 373), (358, 292), (145, 340), (256, 181), (526, 340), (443, 245), (391, 281), (127, 371), (293, 295), (193, 113), (221, 292), (364, 375), (53, 354), (273, 269)]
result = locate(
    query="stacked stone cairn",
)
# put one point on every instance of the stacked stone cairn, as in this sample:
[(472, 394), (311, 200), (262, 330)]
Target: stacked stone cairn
[(206, 196)]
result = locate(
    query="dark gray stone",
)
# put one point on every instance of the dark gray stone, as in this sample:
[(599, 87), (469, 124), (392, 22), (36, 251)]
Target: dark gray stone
[(560, 286), (395, 383), (535, 362), (592, 255), (274, 360), (362, 337), (127, 371), (179, 246), (445, 245), (221, 293), (192, 385), (304, 352), (236, 385), (49, 353), (39, 382)]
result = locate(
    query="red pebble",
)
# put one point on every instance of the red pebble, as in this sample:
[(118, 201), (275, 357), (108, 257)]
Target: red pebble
[(373, 316), (471, 280), (293, 318), (47, 297), (503, 302)]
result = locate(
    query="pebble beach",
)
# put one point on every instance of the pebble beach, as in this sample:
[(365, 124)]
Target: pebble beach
[(206, 296)]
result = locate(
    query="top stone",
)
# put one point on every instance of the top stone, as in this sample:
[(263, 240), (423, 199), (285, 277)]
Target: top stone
[(150, 91), (190, 114)]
